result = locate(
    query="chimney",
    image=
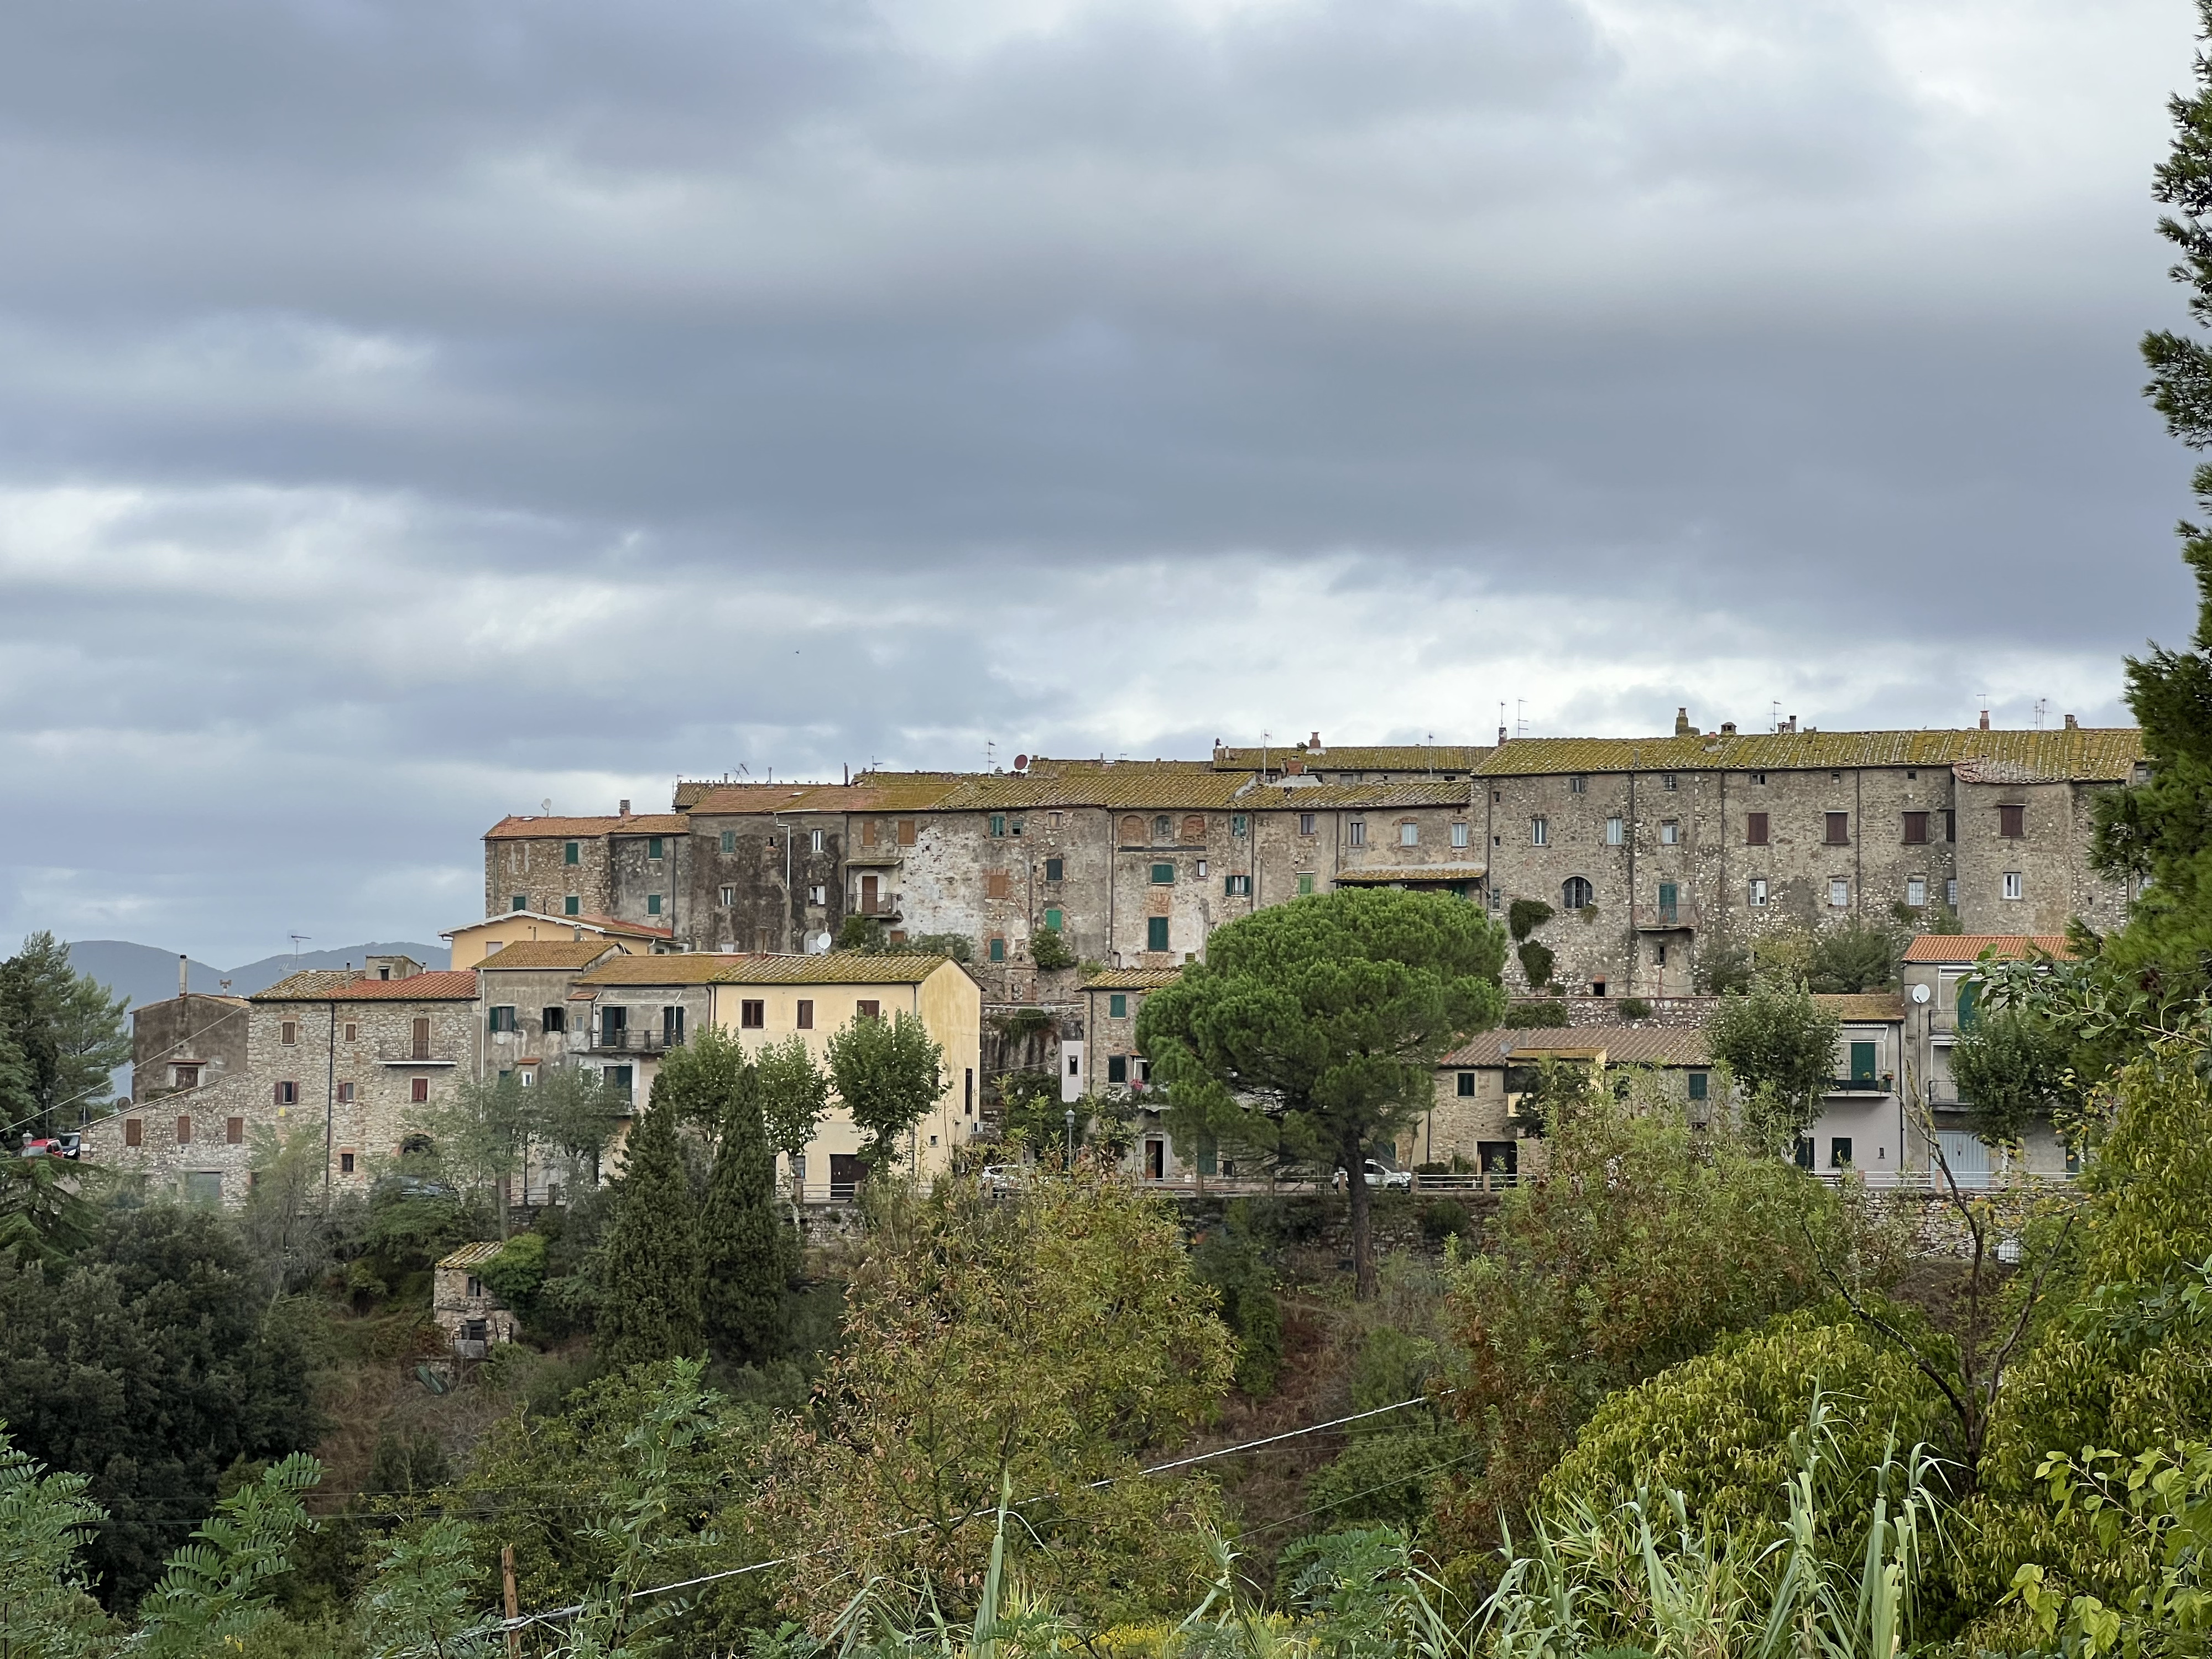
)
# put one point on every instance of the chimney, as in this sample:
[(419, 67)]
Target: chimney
[(1682, 727), (184, 961), (1314, 743), (1501, 737), (1728, 728), (1985, 719), (2073, 724), (1292, 767), (623, 812), (1790, 725)]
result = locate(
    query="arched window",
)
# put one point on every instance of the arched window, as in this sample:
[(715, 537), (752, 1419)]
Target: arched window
[(1132, 831), (1575, 894)]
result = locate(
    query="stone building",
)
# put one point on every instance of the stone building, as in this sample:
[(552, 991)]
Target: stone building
[(349, 1058), (188, 1042), (628, 867), (464, 1308)]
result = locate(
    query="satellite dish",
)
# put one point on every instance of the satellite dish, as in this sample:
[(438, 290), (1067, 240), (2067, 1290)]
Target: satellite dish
[(1920, 994), (1021, 763)]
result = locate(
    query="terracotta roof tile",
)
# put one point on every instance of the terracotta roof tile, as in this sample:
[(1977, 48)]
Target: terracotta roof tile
[(1131, 979), (871, 792), (1384, 875), (677, 968), (470, 1255), (518, 828), (311, 983), (547, 953), (616, 925), (1357, 758), (832, 968), (1623, 1045), (1968, 947), (2084, 756), (1345, 797), (1862, 1007), (436, 985)]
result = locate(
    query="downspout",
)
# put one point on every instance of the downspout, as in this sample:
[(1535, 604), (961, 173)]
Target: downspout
[(330, 1101), (1113, 864), (1635, 941)]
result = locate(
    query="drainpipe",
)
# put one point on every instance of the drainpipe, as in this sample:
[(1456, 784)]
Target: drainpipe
[(330, 1101)]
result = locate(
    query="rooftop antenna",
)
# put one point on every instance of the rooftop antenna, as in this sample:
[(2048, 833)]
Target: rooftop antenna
[(2042, 708), (1432, 754), (990, 754), (1774, 715), (298, 940), (1264, 736), (1520, 718)]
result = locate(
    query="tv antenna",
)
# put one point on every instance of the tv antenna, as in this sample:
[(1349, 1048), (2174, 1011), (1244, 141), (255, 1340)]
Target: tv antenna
[(298, 940)]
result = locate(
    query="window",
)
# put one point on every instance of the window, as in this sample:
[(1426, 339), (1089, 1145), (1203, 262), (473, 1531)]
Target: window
[(672, 1025), (652, 904), (572, 906), (1670, 832), (1163, 875), (1237, 886), (553, 1020), (1758, 894), (1539, 832), (1700, 1083), (1666, 780), (1201, 867), (729, 898), (1758, 777), (519, 901), (1155, 933), (621, 1078), (420, 1037), (867, 1008), (1409, 834), (1576, 894), (1459, 835), (1754, 828), (1465, 1084), (997, 823), (1864, 1057), (184, 1132), (1117, 1068), (1839, 893), (1305, 883), (803, 1014), (345, 1163), (1055, 869), (1916, 829), (652, 847), (1840, 1151), (1951, 891), (1578, 785), (203, 1188), (1355, 833), (997, 950), (1950, 825), (234, 1132), (1194, 826), (1614, 830), (420, 1092), (1052, 918), (1133, 830), (345, 1094), (906, 832), (503, 1019), (729, 840), (1238, 824), (1162, 829), (2015, 885), (133, 1132), (1915, 891), (287, 1094), (1305, 823), (287, 1032), (752, 1014), (815, 840), (817, 895), (570, 853), (1117, 1006), (1838, 833), (352, 1033), (2012, 822)]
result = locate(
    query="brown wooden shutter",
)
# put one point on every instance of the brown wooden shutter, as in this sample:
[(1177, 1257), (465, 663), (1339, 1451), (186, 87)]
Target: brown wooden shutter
[(868, 1008), (805, 1020), (1840, 829), (997, 884), (422, 1039), (184, 1132), (133, 1132), (867, 832), (1754, 828), (2012, 822), (1916, 829), (233, 1130), (906, 832)]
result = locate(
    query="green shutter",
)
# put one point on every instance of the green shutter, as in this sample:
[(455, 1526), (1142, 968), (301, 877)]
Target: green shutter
[(652, 847), (1117, 1006), (1155, 933), (1163, 875), (1052, 918), (1698, 1085), (998, 950), (520, 903), (572, 906), (1466, 1083), (652, 904), (569, 854), (1305, 883), (1970, 995), (1863, 1062)]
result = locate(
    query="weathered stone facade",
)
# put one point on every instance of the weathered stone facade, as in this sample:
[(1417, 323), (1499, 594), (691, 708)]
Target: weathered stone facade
[(188, 1042)]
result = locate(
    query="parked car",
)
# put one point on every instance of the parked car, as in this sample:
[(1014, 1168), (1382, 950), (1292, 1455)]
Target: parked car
[(1379, 1175), (1000, 1177), (53, 1146)]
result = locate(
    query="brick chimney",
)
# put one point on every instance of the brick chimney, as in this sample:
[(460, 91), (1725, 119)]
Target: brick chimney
[(2073, 724), (1682, 727), (623, 812), (1985, 719), (1314, 743)]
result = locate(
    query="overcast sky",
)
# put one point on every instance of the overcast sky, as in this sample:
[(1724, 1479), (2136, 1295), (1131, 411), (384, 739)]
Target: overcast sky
[(411, 410)]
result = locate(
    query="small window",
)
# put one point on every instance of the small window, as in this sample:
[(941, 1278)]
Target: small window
[(1916, 829), (729, 840), (1838, 831), (2012, 822), (1237, 886), (1700, 1084), (1670, 832), (1201, 867), (729, 898), (803, 1014), (672, 1024), (287, 1032), (1052, 918), (997, 823), (234, 1132), (1409, 834), (752, 1014), (1951, 892), (1758, 778), (475, 1286), (1238, 824), (652, 904), (133, 1132), (622, 1080), (420, 1092), (1305, 823), (817, 895), (1839, 893), (1305, 883), (1459, 835), (1615, 831), (2015, 885), (345, 1094), (1666, 780), (1465, 1084), (1161, 828), (345, 1163), (572, 906), (184, 1132), (503, 1019), (997, 950), (1576, 894), (352, 1033), (287, 1094), (1155, 933), (1055, 869), (1355, 833), (1117, 1068), (816, 839), (1578, 785), (1163, 875), (652, 847), (553, 1020), (1117, 1004), (1840, 1151), (867, 1008), (1757, 897), (1950, 825), (1915, 891), (519, 901), (1539, 832), (1754, 829), (571, 854)]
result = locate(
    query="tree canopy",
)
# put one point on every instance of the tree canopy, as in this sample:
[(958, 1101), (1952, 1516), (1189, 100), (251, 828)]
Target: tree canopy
[(648, 1278), (61, 1034), (889, 1072), (1780, 1047), (1327, 1016)]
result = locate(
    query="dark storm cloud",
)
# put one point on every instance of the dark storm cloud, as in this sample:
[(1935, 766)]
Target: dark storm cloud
[(409, 412)]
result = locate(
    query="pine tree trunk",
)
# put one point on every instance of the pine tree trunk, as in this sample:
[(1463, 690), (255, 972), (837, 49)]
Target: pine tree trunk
[(1366, 1284)]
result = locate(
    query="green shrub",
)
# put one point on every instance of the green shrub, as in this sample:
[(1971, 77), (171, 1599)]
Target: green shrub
[(1049, 950), (1536, 964), (1232, 1262), (1633, 1008), (1526, 1016), (1445, 1218)]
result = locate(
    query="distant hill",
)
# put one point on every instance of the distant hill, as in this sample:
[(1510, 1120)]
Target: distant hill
[(145, 973)]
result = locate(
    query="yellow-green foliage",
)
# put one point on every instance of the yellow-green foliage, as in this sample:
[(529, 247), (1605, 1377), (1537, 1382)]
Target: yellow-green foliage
[(1718, 1428)]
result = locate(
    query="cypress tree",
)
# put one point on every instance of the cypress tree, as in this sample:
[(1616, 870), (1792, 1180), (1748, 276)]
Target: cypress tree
[(738, 1235), (649, 1260)]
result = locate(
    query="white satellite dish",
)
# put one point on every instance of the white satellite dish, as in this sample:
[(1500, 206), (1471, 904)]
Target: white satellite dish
[(1920, 994)]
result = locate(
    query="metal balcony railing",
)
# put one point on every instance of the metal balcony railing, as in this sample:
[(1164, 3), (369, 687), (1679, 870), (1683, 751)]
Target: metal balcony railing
[(1651, 916), (1861, 1086), (644, 1041)]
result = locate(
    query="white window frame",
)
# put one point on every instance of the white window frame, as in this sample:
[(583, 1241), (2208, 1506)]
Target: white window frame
[(2015, 885), (1670, 832), (1459, 835), (1916, 892), (1839, 892), (1409, 834), (1539, 831), (1757, 897), (1616, 831)]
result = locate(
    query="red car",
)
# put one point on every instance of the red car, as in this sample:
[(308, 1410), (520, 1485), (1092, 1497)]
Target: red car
[(54, 1146)]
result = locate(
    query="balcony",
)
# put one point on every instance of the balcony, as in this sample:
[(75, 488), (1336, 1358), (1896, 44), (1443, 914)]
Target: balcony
[(1886, 1083), (883, 907), (406, 1054), (1653, 917), (623, 1041)]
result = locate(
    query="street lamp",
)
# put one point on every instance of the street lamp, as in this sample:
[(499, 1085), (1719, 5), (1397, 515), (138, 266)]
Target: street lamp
[(1071, 1137)]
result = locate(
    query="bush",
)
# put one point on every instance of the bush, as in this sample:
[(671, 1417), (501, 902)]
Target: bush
[(1446, 1217), (1524, 916), (1232, 1264), (1528, 1016), (1049, 950), (1536, 964), (1633, 1008)]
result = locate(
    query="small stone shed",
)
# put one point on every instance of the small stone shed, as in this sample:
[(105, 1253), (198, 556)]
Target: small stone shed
[(464, 1305)]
